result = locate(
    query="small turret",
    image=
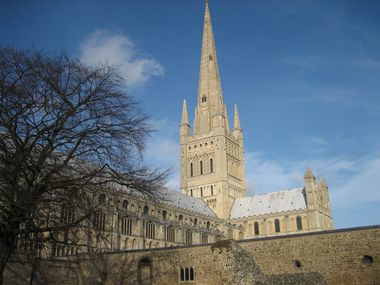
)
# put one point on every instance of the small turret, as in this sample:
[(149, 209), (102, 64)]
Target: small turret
[(311, 199), (309, 176), (310, 187), (184, 127), (238, 132)]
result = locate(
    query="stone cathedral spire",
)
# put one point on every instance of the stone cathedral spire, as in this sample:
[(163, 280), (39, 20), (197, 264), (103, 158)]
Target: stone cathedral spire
[(210, 96), (211, 157)]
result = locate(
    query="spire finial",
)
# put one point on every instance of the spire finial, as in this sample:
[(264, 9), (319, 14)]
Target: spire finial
[(309, 174), (185, 119), (236, 119)]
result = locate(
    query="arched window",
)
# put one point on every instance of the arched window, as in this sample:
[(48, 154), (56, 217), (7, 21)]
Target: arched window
[(186, 274), (210, 58), (211, 166), (299, 223), (208, 225), (126, 226), (212, 190), (277, 225), (195, 221), (150, 230), (99, 220), (201, 192), (125, 204), (256, 228), (204, 99), (146, 210), (191, 273), (201, 167), (67, 215), (241, 235), (180, 218), (164, 215), (102, 199), (191, 192), (191, 170), (170, 234)]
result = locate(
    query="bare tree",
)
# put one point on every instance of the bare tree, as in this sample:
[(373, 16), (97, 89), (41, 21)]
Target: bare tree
[(66, 131)]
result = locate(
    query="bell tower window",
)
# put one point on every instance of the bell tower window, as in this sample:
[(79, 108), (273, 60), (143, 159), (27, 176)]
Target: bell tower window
[(204, 99)]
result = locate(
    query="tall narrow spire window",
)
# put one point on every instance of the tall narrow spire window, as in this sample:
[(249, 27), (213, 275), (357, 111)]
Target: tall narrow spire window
[(204, 99), (201, 192), (201, 167), (211, 166), (191, 169), (210, 58)]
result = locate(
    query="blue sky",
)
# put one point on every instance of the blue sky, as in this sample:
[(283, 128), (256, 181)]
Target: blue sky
[(305, 76)]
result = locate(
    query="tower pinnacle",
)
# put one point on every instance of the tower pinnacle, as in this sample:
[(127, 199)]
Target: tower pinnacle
[(185, 119), (236, 119)]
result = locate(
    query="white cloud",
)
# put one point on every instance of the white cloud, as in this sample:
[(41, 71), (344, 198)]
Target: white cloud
[(351, 181), (116, 49)]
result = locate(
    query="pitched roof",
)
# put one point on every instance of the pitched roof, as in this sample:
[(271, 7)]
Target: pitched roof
[(185, 202), (174, 199), (276, 202)]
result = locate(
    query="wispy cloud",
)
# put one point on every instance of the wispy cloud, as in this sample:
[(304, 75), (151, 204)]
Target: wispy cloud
[(117, 49), (352, 181)]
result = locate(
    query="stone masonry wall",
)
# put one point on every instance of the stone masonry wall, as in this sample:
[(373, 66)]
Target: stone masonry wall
[(341, 256), (336, 257)]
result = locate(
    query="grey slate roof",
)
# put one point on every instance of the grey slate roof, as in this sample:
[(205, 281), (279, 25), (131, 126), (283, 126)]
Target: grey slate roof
[(275, 202), (174, 198), (186, 202)]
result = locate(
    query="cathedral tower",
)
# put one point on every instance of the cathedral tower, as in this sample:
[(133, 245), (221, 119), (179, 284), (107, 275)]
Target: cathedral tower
[(211, 157)]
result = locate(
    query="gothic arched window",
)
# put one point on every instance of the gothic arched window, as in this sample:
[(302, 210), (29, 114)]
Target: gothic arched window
[(204, 99), (201, 167), (256, 228), (125, 204), (191, 169), (277, 225), (211, 166), (212, 190), (299, 223)]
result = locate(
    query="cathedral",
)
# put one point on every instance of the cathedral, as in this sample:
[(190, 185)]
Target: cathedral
[(212, 204), (212, 166)]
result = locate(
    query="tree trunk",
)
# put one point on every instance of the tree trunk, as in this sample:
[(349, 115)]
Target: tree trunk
[(7, 247)]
